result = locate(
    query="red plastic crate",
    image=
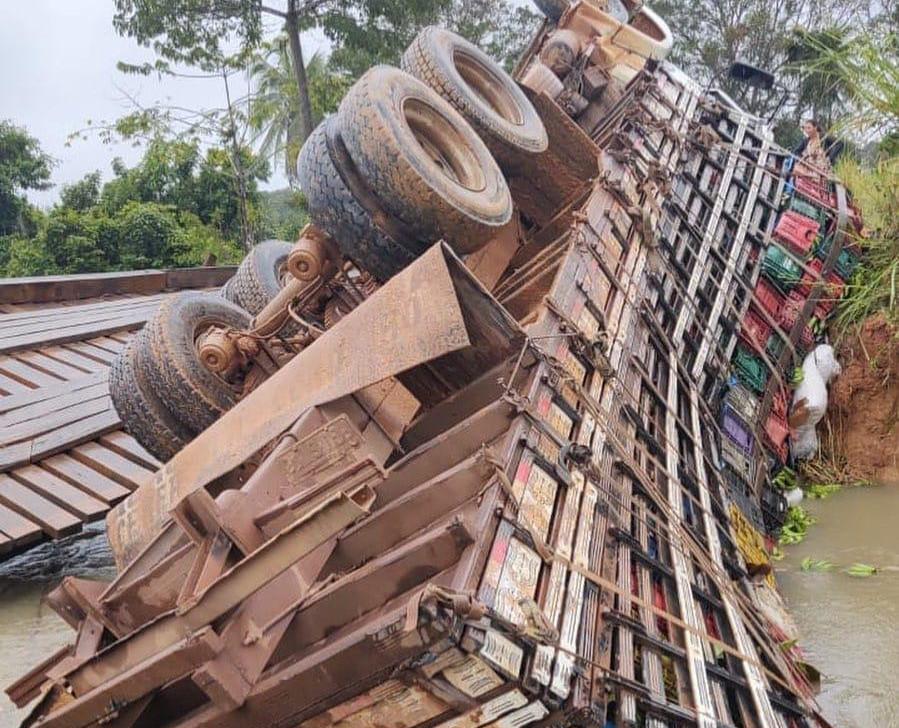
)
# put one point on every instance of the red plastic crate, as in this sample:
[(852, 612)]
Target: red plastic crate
[(775, 436), (790, 311), (779, 405), (768, 297), (810, 187), (797, 232), (755, 330)]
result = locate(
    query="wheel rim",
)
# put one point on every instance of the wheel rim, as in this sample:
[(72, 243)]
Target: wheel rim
[(488, 87), (234, 381), (444, 145)]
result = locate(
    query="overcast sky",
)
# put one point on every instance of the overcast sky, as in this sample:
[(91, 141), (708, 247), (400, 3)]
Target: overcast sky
[(58, 69)]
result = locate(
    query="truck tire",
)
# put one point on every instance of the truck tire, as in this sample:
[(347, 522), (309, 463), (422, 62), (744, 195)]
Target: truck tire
[(423, 160), (337, 211), (552, 9), (193, 394), (479, 89), (144, 416), (258, 277)]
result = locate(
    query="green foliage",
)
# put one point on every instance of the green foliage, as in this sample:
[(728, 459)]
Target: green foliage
[(822, 490), (23, 166), (785, 479), (283, 214), (810, 564), (875, 284), (176, 207), (861, 570), (795, 526)]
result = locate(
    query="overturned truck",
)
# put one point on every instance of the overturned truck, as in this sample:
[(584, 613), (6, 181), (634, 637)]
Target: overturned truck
[(496, 442)]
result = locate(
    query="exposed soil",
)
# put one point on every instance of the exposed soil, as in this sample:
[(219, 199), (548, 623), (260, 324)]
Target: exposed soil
[(864, 401)]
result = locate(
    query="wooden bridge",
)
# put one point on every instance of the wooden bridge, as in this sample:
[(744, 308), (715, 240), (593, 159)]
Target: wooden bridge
[(64, 460)]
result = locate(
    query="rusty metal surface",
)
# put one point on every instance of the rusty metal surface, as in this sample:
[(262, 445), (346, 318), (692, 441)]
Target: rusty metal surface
[(420, 308)]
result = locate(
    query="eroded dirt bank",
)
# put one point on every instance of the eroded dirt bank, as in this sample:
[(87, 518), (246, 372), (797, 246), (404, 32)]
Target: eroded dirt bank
[(864, 402)]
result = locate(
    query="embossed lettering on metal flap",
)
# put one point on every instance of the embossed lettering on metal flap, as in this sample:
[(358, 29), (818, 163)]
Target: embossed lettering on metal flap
[(585, 526), (537, 502), (491, 710), (502, 653), (399, 705), (528, 714), (473, 677), (521, 571)]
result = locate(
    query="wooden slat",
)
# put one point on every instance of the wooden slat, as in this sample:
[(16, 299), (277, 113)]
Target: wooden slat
[(126, 446), (50, 366), (87, 351), (73, 358), (26, 374), (13, 386), (59, 440), (94, 352), (33, 396), (17, 527), (55, 521), (63, 315), (60, 492), (68, 410), (86, 478), (112, 464), (73, 333), (108, 343), (59, 288)]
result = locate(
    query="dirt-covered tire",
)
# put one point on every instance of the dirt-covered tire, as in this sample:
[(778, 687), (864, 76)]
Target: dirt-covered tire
[(144, 416), (258, 277), (427, 165), (336, 210), (192, 393), (479, 88), (552, 9)]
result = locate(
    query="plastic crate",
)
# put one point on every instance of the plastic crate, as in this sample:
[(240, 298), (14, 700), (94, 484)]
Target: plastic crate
[(790, 312), (810, 210), (813, 189), (750, 370), (797, 232), (768, 297), (743, 402), (775, 346), (782, 270), (737, 430), (754, 330), (847, 260), (776, 433)]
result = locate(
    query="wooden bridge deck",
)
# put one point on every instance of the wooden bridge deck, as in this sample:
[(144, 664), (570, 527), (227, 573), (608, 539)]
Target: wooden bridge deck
[(64, 461)]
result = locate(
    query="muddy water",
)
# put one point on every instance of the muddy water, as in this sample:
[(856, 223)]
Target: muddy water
[(29, 631), (850, 626)]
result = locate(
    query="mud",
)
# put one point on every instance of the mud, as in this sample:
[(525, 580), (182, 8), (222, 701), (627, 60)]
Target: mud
[(864, 407)]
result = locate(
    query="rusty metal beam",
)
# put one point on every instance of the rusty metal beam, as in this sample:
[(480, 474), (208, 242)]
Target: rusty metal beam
[(227, 592), (132, 684), (432, 309)]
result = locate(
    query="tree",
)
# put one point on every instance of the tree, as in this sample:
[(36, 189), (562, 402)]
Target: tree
[(274, 111), (23, 166), (83, 194), (711, 34), (196, 32)]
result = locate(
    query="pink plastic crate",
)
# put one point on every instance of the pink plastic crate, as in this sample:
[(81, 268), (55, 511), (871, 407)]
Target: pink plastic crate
[(814, 189), (768, 297), (755, 330), (776, 433), (797, 232), (790, 311)]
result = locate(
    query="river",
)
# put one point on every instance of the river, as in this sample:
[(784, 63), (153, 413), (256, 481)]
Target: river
[(850, 625)]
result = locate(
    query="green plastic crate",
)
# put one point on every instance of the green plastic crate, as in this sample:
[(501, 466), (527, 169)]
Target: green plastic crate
[(750, 370), (775, 346), (781, 269), (846, 263), (803, 207)]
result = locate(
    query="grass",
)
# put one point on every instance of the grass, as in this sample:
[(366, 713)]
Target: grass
[(875, 284)]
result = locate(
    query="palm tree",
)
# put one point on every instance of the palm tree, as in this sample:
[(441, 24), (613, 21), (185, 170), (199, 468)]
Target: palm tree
[(274, 112)]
